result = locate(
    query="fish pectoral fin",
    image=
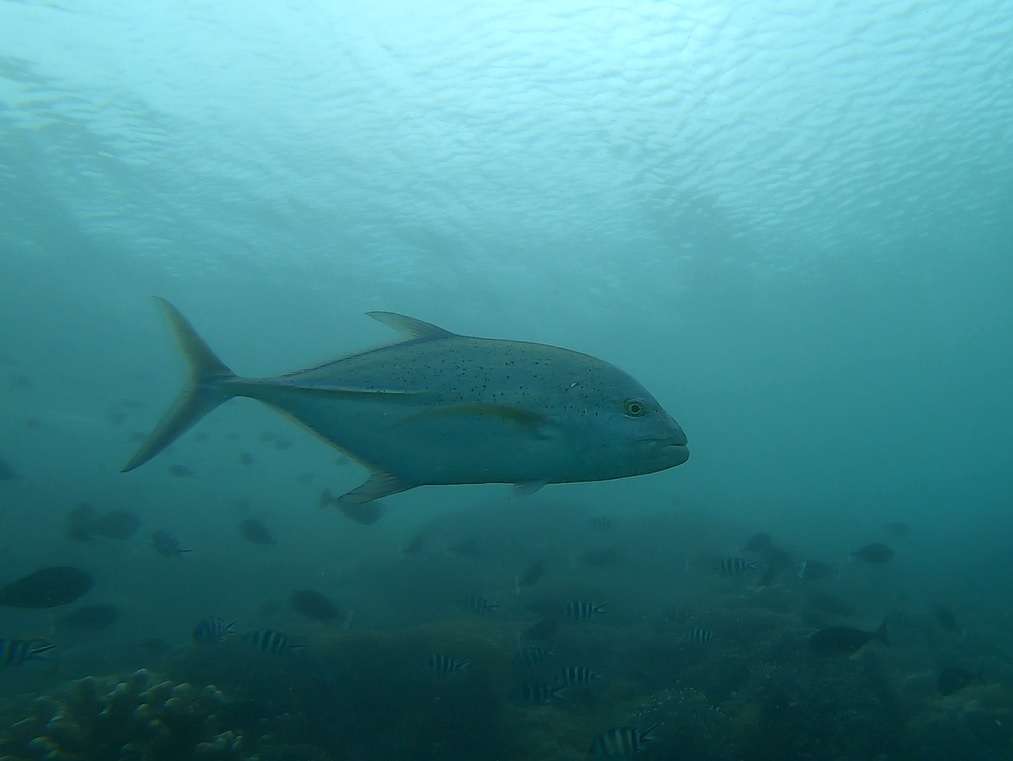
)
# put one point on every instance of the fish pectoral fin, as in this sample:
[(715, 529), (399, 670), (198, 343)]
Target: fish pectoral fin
[(378, 485), (528, 488), (535, 423), (410, 326)]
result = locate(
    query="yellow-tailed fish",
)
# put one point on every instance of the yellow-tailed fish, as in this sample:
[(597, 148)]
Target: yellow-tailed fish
[(441, 408)]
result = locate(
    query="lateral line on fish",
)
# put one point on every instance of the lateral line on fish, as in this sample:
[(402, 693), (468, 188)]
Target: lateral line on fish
[(240, 386)]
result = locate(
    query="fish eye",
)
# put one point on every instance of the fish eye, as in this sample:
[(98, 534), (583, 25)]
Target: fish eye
[(634, 408)]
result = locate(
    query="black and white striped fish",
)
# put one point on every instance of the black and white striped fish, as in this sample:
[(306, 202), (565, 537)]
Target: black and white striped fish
[(272, 641), (440, 663), (534, 655), (14, 652), (736, 566), (213, 630), (698, 635), (478, 604), (577, 676), (583, 610), (621, 742), (541, 693)]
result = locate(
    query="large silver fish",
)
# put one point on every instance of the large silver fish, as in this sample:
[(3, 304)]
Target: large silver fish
[(440, 408)]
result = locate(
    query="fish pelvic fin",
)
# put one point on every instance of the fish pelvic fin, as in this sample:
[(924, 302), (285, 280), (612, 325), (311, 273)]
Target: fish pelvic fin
[(206, 388)]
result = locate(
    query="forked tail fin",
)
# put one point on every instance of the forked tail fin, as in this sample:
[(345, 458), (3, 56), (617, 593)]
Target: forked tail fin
[(206, 389)]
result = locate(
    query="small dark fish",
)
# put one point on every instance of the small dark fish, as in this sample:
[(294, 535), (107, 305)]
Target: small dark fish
[(602, 523), (898, 529), (601, 557), (255, 532), (415, 544), (272, 641), (447, 664), (213, 630), (758, 543), (267, 436), (282, 443), (877, 552), (137, 436), (621, 742), (180, 471), (478, 604), (955, 678), (20, 382), (47, 588), (816, 570), (541, 693), (698, 635), (367, 514), (844, 640), (946, 619), (167, 545), (90, 618), (315, 606), (245, 458), (116, 524), (578, 676), (531, 575), (15, 652), (736, 566), (533, 655), (7, 473), (542, 630)]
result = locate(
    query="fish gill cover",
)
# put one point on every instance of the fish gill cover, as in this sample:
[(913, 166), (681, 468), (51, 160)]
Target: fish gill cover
[(788, 223)]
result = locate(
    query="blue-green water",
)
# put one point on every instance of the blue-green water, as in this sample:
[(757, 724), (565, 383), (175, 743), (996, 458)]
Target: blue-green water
[(792, 222)]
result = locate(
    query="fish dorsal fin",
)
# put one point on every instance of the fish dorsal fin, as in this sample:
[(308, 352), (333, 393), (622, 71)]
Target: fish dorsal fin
[(410, 326)]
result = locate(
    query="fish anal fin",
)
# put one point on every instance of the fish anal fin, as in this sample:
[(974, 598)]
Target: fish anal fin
[(410, 326), (378, 485)]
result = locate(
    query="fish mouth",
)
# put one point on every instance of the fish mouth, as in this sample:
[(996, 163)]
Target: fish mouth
[(678, 452), (672, 448)]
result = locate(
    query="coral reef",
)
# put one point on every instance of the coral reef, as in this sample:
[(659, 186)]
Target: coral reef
[(754, 693), (141, 717)]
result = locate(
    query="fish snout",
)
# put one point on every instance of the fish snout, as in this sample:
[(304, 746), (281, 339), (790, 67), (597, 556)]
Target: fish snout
[(675, 446), (678, 435)]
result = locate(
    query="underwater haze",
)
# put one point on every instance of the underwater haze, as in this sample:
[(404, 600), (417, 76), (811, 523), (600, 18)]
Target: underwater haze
[(791, 222)]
